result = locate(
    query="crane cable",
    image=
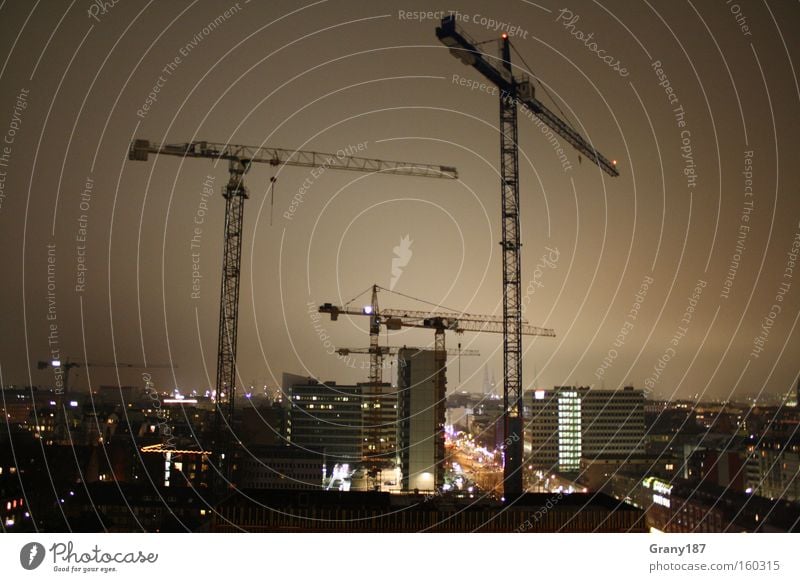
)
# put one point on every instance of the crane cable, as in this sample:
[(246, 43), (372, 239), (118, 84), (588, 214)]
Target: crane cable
[(437, 305), (544, 88), (272, 181)]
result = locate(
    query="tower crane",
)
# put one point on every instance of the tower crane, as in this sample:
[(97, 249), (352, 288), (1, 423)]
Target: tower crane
[(240, 158), (395, 319), (393, 350), (514, 91)]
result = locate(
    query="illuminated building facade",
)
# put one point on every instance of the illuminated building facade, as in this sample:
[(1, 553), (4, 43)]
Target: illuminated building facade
[(326, 420), (379, 406), (682, 506), (569, 423)]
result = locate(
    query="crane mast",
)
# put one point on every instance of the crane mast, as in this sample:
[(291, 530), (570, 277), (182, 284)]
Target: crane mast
[(235, 194), (514, 91), (512, 310), (240, 158)]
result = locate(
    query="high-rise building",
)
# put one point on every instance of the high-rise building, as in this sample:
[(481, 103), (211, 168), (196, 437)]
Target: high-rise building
[(612, 422), (326, 419), (554, 429), (379, 411), (570, 423), (420, 421)]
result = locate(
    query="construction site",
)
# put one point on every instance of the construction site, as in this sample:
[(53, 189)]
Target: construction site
[(468, 270)]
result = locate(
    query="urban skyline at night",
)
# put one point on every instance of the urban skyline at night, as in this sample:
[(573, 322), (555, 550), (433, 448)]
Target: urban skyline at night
[(404, 267)]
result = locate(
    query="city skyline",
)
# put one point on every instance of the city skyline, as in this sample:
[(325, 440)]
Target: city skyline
[(278, 267)]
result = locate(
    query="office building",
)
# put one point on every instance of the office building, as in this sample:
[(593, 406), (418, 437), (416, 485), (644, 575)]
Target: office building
[(379, 408), (326, 419), (612, 422), (567, 424)]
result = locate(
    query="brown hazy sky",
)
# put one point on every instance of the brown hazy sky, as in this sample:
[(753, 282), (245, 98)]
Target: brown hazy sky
[(330, 75)]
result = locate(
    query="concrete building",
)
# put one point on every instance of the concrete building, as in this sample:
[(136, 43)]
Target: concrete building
[(554, 429), (612, 422), (421, 421), (379, 410), (279, 467), (567, 424), (326, 419)]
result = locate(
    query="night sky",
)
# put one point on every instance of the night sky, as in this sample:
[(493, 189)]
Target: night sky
[(697, 101)]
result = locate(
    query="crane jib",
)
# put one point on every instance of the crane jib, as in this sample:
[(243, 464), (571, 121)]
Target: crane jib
[(466, 50), (245, 155)]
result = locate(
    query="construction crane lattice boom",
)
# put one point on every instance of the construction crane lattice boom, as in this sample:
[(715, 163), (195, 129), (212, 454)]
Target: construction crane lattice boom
[(240, 158), (514, 90), (140, 149)]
